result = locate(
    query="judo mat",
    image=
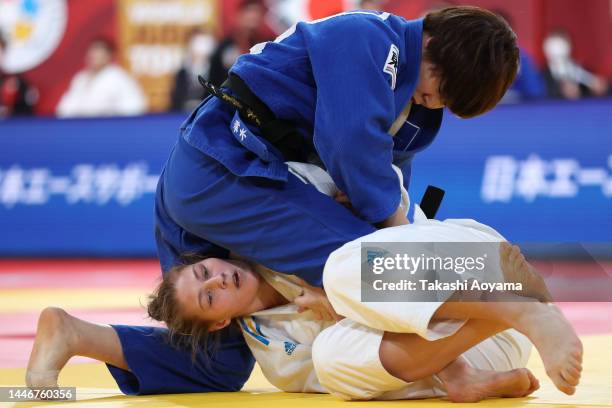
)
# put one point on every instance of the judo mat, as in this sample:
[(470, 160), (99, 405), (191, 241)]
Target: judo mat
[(114, 291)]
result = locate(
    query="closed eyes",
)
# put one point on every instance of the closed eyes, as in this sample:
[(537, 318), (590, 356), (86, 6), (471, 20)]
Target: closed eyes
[(204, 274)]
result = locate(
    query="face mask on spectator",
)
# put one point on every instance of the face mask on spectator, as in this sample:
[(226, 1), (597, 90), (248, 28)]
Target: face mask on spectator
[(201, 46), (557, 47)]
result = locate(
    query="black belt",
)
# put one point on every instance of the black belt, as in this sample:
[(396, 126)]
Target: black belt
[(280, 133)]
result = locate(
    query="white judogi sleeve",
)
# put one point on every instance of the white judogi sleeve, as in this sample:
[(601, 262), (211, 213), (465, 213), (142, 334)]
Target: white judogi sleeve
[(322, 181)]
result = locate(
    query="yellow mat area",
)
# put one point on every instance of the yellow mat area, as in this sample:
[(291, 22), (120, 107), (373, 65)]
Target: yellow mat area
[(96, 388), (25, 300)]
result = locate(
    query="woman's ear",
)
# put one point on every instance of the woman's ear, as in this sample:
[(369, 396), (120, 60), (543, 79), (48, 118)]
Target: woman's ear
[(219, 325)]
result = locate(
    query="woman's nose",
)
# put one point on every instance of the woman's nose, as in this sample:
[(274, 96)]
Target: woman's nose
[(217, 281)]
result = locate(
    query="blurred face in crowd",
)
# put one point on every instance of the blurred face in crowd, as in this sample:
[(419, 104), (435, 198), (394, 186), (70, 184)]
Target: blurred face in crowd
[(217, 290), (201, 46), (98, 56), (251, 17), (371, 5), (557, 46)]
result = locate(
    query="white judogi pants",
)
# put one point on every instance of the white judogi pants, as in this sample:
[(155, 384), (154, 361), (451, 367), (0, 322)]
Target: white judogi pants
[(347, 363), (346, 355)]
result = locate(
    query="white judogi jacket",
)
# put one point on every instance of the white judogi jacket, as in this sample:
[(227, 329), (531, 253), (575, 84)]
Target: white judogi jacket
[(281, 339)]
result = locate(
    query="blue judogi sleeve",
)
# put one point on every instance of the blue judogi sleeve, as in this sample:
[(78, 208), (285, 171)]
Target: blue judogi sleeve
[(354, 110), (158, 368)]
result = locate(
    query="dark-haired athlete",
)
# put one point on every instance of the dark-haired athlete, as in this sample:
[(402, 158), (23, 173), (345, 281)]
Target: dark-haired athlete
[(356, 93)]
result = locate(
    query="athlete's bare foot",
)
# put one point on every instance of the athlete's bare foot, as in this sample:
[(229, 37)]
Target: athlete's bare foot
[(52, 348), (467, 384), (517, 270), (556, 341)]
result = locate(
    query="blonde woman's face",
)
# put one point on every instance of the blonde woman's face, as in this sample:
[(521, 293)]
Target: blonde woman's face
[(216, 290)]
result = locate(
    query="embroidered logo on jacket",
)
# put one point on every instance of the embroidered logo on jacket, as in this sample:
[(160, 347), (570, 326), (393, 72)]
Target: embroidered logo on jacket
[(289, 347), (251, 327), (392, 64)]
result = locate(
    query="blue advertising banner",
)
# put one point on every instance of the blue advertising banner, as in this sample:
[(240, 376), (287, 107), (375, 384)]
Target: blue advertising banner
[(81, 187), (537, 173)]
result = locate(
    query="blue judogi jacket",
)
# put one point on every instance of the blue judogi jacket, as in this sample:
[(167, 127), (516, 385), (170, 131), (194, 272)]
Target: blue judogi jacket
[(342, 81)]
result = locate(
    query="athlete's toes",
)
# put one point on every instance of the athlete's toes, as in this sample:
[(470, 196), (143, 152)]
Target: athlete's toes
[(576, 365), (504, 251), (537, 384), (563, 385), (578, 351), (534, 384), (571, 376), (519, 262), (514, 252), (532, 378)]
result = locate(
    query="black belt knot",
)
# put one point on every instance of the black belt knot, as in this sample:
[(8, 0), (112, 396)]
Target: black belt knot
[(282, 134)]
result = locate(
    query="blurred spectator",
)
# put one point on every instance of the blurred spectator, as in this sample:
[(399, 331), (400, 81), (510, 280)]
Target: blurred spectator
[(566, 79), (17, 98), (376, 5), (102, 88), (529, 83), (247, 33), (187, 91)]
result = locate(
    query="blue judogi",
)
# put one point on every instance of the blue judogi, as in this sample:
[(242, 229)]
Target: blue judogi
[(341, 97), (342, 81)]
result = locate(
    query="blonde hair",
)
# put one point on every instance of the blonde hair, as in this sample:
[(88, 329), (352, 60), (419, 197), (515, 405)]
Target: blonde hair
[(163, 305)]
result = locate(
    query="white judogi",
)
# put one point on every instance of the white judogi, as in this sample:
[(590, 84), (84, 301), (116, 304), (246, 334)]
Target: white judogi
[(342, 350), (342, 275), (299, 354), (281, 339)]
